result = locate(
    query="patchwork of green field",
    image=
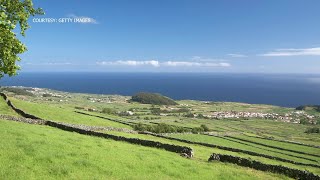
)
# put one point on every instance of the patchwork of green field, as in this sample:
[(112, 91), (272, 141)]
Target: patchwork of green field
[(257, 127), (242, 134), (199, 106), (39, 152)]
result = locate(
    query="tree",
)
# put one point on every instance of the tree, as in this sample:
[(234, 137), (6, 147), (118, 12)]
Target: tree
[(13, 13), (204, 127), (108, 111)]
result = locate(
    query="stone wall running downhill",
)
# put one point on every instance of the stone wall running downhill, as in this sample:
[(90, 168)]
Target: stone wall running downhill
[(31, 119), (233, 150), (168, 147), (293, 173), (19, 111)]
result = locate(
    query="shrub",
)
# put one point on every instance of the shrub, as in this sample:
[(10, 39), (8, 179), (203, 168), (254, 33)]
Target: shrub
[(304, 121), (189, 115), (197, 130), (204, 127), (108, 111), (313, 130), (46, 95), (159, 128), (165, 128), (156, 111)]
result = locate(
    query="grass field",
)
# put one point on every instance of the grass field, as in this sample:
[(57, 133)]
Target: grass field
[(38, 152), (5, 109), (50, 153), (61, 113)]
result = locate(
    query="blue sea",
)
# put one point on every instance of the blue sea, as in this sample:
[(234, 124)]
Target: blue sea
[(288, 90)]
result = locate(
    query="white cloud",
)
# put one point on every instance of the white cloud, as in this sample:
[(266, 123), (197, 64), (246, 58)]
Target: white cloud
[(194, 64), (180, 63), (224, 64), (83, 19), (130, 63), (155, 63), (237, 55), (294, 52)]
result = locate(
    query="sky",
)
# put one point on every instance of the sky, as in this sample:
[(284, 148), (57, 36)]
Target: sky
[(237, 36)]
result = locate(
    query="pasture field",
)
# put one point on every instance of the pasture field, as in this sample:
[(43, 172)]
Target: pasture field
[(5, 109), (39, 152)]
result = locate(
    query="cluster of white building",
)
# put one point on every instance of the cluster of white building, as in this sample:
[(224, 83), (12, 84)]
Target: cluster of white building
[(293, 117), (101, 100)]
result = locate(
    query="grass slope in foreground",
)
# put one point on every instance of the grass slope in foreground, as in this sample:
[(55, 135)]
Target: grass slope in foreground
[(40, 152)]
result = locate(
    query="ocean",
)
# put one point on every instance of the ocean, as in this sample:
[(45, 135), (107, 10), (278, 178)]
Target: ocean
[(289, 90)]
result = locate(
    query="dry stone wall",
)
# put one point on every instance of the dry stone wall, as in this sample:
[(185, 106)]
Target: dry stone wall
[(293, 173), (233, 150), (168, 147), (275, 147), (19, 111), (265, 149), (31, 119), (24, 120)]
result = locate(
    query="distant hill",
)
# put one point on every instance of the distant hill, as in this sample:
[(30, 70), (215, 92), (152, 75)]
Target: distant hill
[(17, 91), (152, 98), (309, 108)]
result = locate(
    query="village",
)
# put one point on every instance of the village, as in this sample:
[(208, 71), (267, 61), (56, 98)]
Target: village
[(293, 117)]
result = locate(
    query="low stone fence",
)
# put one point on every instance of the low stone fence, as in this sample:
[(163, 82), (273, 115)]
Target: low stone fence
[(293, 173), (24, 120), (275, 147), (148, 143), (88, 130), (264, 149), (19, 111), (82, 129), (232, 150), (221, 133), (99, 128)]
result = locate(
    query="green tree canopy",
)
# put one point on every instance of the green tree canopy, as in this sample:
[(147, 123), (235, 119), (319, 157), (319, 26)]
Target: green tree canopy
[(13, 13)]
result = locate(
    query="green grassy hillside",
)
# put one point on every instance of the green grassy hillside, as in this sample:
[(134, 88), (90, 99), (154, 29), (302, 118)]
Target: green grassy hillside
[(53, 153), (152, 98), (5, 109), (39, 152)]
